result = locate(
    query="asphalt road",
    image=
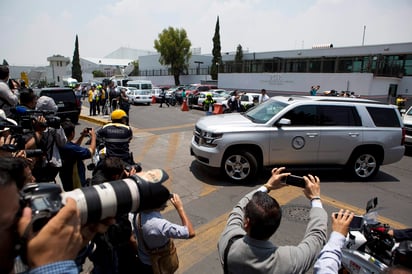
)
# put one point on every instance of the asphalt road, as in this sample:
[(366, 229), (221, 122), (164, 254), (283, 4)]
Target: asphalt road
[(162, 140)]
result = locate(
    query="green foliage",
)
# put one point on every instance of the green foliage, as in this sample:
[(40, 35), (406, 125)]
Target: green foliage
[(135, 71), (216, 52), (76, 68), (5, 63), (174, 48), (239, 58), (98, 73)]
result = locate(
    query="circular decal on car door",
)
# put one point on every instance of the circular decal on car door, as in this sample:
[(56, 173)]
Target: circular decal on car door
[(298, 142)]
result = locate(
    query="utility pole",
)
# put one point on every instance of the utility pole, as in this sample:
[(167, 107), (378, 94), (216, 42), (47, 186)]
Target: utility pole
[(363, 38)]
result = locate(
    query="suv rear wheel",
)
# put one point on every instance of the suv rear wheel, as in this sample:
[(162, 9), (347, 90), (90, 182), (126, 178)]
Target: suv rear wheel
[(363, 165), (239, 166)]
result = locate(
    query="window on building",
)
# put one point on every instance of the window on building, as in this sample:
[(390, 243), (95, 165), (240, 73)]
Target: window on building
[(328, 65), (314, 65), (407, 65)]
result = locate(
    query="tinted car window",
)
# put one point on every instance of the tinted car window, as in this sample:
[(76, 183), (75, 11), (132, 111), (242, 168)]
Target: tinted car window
[(384, 117), (60, 96), (338, 116), (302, 116), (68, 106)]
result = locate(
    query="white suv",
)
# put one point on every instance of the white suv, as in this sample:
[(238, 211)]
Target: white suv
[(356, 134), (407, 121)]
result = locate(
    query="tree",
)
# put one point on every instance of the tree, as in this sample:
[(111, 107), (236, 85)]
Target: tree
[(135, 71), (76, 68), (174, 48), (5, 63), (98, 73), (239, 58), (217, 55)]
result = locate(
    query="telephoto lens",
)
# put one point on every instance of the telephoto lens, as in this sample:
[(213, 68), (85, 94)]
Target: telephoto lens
[(116, 198), (98, 202)]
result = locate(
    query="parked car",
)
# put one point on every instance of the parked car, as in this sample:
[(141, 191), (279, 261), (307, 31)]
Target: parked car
[(201, 97), (248, 100), (139, 96), (68, 105), (156, 93), (358, 135), (407, 122)]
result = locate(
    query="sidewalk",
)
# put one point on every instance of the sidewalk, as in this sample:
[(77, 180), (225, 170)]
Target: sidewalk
[(98, 119)]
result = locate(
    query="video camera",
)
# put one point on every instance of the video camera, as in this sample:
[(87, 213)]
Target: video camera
[(29, 152), (27, 119), (97, 202), (16, 133)]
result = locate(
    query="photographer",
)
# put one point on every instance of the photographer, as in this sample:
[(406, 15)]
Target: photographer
[(114, 251), (8, 99), (5, 133), (54, 247), (117, 136), (73, 172), (244, 246), (48, 137)]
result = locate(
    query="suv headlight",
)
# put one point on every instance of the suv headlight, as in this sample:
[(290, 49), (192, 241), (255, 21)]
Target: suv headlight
[(208, 138)]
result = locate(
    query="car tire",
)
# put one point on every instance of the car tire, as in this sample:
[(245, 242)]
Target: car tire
[(240, 166), (363, 165)]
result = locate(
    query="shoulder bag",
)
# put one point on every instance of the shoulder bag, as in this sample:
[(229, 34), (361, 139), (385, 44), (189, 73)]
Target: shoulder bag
[(164, 259)]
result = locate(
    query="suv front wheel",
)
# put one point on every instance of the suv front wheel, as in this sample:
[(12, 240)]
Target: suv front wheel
[(363, 165), (239, 166)]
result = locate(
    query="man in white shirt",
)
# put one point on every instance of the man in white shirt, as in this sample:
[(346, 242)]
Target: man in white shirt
[(263, 96)]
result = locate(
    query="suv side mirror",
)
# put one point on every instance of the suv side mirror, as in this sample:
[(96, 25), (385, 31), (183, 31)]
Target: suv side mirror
[(283, 122)]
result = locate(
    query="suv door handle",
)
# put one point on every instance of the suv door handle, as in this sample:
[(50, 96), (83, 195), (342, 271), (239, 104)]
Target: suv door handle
[(353, 134), (312, 135)]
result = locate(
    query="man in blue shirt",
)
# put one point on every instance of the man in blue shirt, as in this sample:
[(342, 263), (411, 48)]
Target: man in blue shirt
[(73, 171)]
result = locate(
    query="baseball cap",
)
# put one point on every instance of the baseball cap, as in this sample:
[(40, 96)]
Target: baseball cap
[(152, 192), (46, 103)]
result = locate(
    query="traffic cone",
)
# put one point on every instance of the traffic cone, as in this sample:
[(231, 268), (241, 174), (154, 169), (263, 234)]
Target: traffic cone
[(218, 109), (184, 106), (153, 99)]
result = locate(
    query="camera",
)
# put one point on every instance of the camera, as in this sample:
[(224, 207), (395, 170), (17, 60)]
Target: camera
[(356, 223), (136, 167), (95, 203), (294, 180), (29, 152), (28, 118)]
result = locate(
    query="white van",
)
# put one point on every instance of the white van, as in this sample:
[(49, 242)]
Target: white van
[(141, 84), (69, 82)]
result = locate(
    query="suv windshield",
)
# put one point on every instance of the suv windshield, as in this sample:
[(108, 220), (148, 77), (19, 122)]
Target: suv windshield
[(264, 112)]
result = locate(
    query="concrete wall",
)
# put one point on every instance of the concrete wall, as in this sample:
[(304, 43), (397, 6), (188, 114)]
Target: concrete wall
[(363, 84)]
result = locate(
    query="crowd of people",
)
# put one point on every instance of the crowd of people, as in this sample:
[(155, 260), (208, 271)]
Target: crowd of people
[(37, 147), (33, 148)]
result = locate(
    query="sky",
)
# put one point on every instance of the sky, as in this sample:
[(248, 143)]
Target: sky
[(36, 29)]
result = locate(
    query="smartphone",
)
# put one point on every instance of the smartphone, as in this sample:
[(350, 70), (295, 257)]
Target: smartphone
[(356, 222), (89, 129), (294, 180)]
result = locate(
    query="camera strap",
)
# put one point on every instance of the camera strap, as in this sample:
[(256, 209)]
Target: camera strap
[(226, 252)]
